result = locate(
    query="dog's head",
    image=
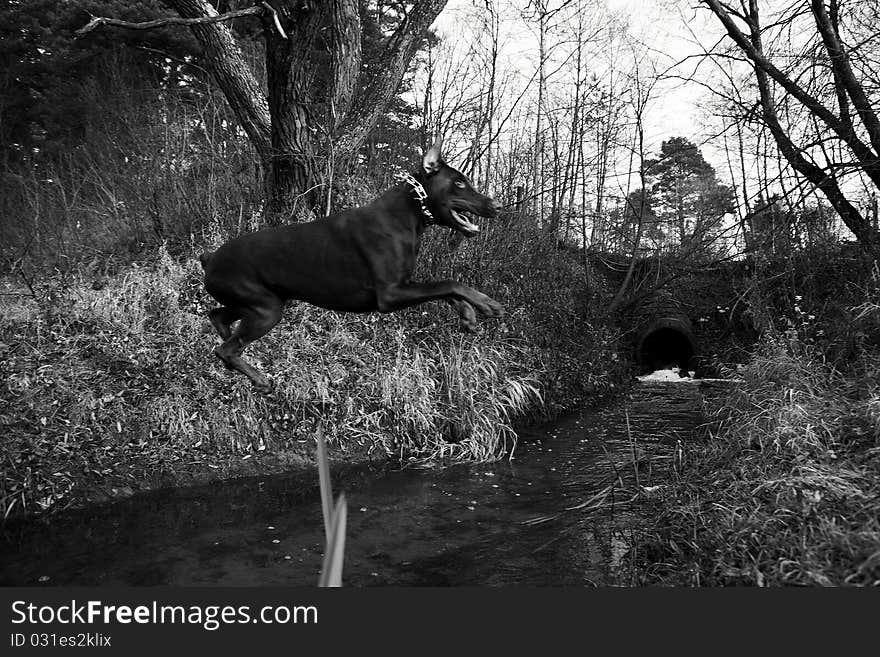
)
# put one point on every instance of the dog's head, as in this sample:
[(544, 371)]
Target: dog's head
[(451, 197)]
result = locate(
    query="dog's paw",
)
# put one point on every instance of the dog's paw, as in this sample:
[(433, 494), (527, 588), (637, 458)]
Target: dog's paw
[(263, 385), (492, 308), (223, 359), (467, 315), (469, 326)]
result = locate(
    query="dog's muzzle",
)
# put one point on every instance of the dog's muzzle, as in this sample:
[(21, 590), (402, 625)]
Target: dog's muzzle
[(463, 224)]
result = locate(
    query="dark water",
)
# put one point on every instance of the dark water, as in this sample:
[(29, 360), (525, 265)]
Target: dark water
[(504, 523)]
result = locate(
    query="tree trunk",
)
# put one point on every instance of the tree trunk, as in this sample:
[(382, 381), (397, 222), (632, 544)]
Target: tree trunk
[(313, 121), (227, 64), (293, 177)]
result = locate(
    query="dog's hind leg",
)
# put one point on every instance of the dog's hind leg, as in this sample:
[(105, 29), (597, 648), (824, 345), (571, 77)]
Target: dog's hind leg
[(222, 319), (255, 323)]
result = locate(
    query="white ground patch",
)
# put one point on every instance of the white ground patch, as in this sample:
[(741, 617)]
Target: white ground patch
[(667, 375), (672, 376)]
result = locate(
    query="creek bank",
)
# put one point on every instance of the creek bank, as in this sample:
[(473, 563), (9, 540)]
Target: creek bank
[(138, 468), (192, 468), (189, 467)]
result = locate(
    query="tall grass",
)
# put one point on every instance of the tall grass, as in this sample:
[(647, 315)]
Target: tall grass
[(786, 489)]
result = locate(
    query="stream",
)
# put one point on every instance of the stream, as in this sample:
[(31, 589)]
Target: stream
[(554, 515)]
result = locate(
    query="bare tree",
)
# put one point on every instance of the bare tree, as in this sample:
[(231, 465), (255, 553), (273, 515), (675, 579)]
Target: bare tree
[(812, 95), (641, 95)]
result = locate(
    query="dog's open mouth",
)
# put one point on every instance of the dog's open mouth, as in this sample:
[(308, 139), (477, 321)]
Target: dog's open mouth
[(463, 225)]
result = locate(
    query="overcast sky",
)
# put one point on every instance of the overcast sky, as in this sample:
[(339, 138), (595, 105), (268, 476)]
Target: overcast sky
[(666, 27), (670, 29)]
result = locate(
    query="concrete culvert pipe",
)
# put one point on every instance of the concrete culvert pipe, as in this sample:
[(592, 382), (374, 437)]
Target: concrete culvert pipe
[(667, 343)]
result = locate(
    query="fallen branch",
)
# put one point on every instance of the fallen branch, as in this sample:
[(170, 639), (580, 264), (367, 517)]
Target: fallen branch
[(263, 9)]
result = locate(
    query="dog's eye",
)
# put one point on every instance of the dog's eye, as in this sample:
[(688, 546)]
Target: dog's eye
[(460, 184)]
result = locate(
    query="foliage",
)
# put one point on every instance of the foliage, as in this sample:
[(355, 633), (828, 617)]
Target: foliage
[(776, 227), (148, 170), (47, 88)]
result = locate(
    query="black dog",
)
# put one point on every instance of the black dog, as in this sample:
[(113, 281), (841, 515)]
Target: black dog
[(358, 260)]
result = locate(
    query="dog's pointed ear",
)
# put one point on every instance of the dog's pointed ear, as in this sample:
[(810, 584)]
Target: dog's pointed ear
[(433, 159)]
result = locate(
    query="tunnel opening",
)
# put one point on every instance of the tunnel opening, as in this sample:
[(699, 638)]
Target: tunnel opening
[(667, 345)]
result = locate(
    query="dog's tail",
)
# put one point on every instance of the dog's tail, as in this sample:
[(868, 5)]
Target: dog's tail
[(205, 258)]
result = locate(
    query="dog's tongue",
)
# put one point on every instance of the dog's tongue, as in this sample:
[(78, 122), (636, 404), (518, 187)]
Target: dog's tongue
[(464, 223)]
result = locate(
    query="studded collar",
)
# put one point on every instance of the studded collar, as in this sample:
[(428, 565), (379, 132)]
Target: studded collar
[(420, 195)]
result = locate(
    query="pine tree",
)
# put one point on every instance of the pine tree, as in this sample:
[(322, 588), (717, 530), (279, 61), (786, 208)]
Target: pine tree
[(686, 195)]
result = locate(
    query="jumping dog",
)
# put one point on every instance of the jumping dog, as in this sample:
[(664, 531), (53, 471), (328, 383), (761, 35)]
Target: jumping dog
[(358, 260)]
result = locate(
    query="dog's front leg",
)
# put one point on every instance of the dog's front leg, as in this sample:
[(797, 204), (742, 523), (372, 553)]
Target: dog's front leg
[(466, 314), (396, 297)]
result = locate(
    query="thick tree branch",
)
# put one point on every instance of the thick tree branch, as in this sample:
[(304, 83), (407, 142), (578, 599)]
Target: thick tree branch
[(264, 8), (233, 75), (839, 89), (843, 73), (760, 62), (372, 101), (346, 58)]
